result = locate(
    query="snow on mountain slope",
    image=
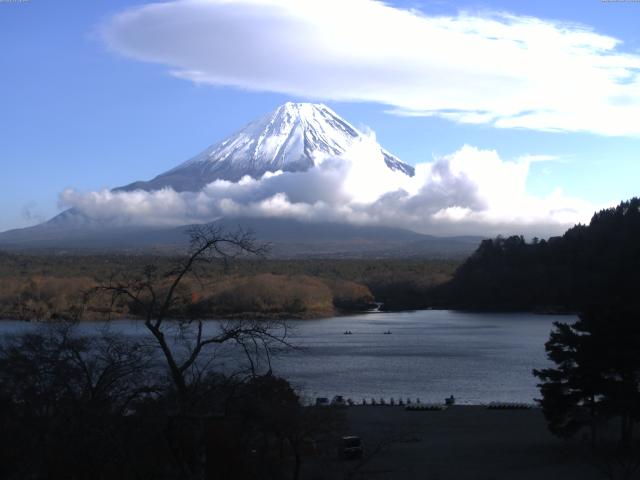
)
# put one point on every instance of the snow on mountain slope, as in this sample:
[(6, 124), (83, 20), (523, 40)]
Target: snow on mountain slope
[(294, 137)]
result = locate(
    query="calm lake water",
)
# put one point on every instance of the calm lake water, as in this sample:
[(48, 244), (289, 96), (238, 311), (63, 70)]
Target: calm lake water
[(430, 354)]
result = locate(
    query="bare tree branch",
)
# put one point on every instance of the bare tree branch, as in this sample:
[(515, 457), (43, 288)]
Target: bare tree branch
[(149, 294)]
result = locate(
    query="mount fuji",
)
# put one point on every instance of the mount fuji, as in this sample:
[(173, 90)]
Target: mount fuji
[(295, 137)]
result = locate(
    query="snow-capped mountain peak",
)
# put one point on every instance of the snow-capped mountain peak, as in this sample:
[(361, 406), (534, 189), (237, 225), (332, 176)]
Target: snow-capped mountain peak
[(294, 137)]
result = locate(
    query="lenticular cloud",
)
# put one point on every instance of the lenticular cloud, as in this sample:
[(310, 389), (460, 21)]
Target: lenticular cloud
[(494, 68), (470, 191)]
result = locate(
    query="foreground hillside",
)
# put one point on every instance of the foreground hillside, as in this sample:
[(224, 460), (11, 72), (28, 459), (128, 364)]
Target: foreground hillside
[(54, 286), (589, 265)]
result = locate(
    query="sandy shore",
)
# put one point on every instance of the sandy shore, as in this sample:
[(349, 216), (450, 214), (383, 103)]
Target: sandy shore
[(463, 442)]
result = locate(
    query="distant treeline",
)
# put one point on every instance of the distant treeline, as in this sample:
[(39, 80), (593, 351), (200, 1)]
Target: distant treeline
[(595, 264), (47, 287)]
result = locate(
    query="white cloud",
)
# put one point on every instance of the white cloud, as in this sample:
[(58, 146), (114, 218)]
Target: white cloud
[(471, 191), (500, 69)]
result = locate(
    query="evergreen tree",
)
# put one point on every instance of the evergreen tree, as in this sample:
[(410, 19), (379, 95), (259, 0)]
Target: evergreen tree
[(594, 264), (597, 373)]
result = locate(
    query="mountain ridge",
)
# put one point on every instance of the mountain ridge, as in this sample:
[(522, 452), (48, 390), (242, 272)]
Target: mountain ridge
[(288, 238), (292, 138)]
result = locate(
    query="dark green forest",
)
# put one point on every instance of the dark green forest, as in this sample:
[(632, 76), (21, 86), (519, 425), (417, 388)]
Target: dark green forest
[(595, 264)]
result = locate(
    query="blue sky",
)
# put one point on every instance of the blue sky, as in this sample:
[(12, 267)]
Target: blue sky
[(76, 112)]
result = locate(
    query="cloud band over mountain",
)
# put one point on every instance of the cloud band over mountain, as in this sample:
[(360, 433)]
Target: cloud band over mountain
[(471, 191)]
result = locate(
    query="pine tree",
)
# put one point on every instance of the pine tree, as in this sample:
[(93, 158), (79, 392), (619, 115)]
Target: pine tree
[(597, 373)]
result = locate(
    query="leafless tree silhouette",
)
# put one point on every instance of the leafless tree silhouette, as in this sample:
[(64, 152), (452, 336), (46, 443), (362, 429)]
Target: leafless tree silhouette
[(154, 294)]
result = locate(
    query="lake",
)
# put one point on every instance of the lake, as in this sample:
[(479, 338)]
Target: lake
[(430, 354)]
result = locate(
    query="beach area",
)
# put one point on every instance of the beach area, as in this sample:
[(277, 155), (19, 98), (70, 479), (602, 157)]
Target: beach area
[(461, 443)]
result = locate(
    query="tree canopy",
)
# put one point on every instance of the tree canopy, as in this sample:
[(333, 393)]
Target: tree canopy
[(595, 264), (597, 372)]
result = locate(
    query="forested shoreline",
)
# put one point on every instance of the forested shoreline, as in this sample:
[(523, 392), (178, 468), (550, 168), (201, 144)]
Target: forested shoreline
[(595, 264), (50, 287), (589, 265)]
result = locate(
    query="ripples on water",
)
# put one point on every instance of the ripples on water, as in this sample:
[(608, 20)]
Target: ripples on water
[(430, 354)]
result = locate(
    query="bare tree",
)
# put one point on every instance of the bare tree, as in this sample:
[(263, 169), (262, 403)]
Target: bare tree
[(64, 403), (155, 294), (159, 297)]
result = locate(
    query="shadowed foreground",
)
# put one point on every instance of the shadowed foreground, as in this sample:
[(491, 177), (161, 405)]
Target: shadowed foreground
[(463, 442)]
